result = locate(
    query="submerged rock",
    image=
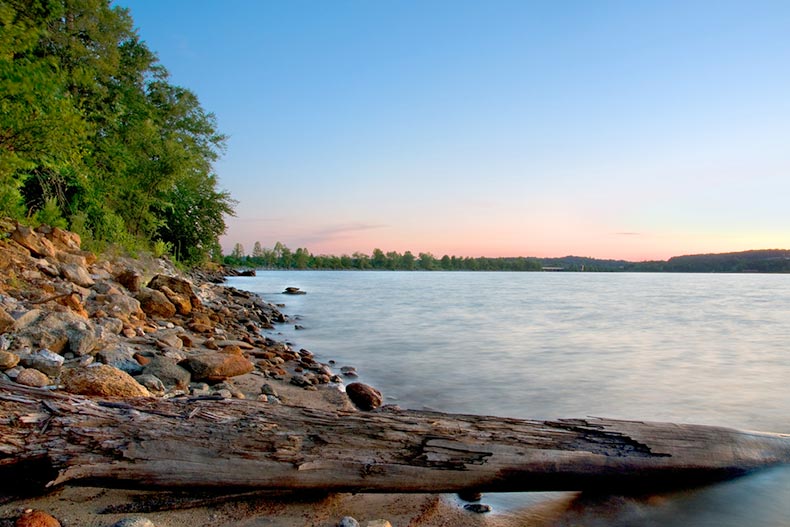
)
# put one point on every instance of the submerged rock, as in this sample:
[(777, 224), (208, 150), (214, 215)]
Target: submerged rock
[(294, 291)]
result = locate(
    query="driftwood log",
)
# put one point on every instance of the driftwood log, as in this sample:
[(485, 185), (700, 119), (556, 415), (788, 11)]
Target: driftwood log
[(53, 438)]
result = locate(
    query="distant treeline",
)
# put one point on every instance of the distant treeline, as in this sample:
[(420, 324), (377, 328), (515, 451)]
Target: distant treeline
[(281, 257)]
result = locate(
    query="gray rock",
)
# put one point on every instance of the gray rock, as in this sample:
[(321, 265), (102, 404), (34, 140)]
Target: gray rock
[(134, 522), (44, 360), (170, 373), (57, 331), (111, 325), (153, 383), (268, 389), (76, 274), (479, 508), (348, 521), (121, 357)]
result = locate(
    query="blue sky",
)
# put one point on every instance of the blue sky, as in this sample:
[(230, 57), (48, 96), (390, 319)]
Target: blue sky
[(628, 129)]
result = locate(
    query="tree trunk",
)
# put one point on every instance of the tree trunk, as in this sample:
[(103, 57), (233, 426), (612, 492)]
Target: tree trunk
[(145, 442)]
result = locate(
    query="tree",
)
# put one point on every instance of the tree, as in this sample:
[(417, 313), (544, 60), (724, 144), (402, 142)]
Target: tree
[(379, 260), (238, 251)]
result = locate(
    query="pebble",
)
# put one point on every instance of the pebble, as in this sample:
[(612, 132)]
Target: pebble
[(478, 508), (348, 521), (134, 522), (378, 523)]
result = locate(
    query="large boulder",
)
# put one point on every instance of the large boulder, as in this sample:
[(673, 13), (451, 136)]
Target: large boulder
[(130, 279), (102, 380), (155, 304), (57, 331), (178, 288), (216, 366), (38, 245)]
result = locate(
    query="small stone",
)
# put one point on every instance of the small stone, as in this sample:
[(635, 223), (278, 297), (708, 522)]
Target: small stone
[(36, 519), (225, 394), (134, 522), (299, 380), (267, 389), (478, 508), (363, 396), (348, 521), (8, 360), (152, 382), (378, 523), (32, 377)]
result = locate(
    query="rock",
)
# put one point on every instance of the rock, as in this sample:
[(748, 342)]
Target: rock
[(134, 522), (378, 523), (76, 274), (349, 371), (170, 338), (294, 291), (59, 332), (155, 304), (8, 360), (6, 321), (267, 389), (347, 521), (38, 245), (44, 360), (240, 343), (363, 396), (153, 383), (167, 371), (479, 508), (36, 519), (111, 325), (121, 357), (182, 303), (178, 286), (209, 366), (65, 240), (117, 305), (103, 380), (130, 279), (33, 377)]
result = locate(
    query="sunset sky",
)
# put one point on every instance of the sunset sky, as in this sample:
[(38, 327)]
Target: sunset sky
[(636, 130)]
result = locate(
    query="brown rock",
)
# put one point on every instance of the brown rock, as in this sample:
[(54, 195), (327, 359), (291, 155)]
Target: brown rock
[(141, 359), (177, 285), (182, 302), (8, 360), (36, 519), (363, 396), (32, 377), (6, 321), (32, 241), (216, 366), (65, 240), (102, 380), (155, 304), (71, 258), (200, 328), (130, 279)]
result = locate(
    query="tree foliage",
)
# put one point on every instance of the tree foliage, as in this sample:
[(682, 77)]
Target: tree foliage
[(91, 125)]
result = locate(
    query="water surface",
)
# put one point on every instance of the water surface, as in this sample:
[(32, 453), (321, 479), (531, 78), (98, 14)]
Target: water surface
[(696, 348)]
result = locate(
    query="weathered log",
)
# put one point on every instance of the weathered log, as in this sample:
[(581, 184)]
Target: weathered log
[(174, 443)]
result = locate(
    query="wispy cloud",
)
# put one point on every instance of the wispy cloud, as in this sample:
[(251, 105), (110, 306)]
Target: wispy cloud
[(335, 232)]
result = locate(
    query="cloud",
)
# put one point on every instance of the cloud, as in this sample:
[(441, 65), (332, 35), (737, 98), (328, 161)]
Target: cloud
[(334, 232)]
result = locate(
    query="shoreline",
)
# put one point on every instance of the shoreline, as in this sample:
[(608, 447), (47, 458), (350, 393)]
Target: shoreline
[(88, 325)]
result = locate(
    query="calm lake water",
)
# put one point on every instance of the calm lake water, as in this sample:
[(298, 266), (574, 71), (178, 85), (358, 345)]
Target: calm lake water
[(707, 349)]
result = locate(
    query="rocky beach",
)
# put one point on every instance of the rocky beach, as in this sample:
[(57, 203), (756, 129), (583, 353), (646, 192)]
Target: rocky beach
[(115, 327)]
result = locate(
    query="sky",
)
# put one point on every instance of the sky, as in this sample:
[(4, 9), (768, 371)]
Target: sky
[(625, 129)]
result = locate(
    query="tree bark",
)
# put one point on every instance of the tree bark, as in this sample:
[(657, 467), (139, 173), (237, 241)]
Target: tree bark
[(53, 438)]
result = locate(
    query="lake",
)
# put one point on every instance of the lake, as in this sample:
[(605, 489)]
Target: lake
[(694, 348)]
